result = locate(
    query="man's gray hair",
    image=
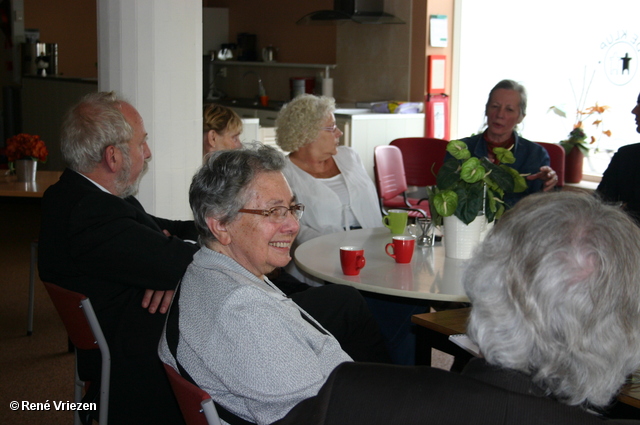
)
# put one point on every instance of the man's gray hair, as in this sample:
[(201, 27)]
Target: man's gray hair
[(219, 187), (92, 125), (555, 289)]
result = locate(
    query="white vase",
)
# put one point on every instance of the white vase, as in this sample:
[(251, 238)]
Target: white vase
[(26, 170), (460, 239)]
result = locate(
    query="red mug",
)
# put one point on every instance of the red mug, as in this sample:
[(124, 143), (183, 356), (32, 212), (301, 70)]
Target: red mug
[(402, 248), (352, 260)]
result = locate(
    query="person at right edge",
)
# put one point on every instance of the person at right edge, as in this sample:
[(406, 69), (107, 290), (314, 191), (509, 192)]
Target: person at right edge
[(621, 181)]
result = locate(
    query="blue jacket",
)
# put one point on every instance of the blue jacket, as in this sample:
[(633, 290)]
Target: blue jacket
[(530, 156)]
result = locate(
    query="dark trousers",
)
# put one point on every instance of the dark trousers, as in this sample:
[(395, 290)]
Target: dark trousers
[(393, 315), (343, 312)]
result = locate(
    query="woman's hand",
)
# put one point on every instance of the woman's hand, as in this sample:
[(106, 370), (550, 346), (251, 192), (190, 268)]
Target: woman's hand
[(547, 175)]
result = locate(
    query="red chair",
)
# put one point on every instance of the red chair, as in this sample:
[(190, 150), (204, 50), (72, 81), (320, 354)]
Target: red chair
[(196, 404), (391, 183), (556, 160), (422, 158), (85, 333)]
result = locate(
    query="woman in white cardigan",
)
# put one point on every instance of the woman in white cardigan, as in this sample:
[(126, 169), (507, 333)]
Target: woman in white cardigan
[(329, 179), (338, 195)]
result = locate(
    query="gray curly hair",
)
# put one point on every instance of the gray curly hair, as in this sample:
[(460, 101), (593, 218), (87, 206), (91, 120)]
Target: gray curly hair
[(555, 290), (300, 121)]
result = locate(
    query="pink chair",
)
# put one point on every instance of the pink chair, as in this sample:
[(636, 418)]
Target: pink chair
[(391, 182), (422, 158), (556, 160)]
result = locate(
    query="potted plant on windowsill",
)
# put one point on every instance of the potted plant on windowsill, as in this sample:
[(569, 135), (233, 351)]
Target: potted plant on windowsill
[(576, 146), (24, 151), (469, 194)]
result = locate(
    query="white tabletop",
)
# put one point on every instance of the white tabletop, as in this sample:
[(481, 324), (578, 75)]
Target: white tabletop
[(430, 275)]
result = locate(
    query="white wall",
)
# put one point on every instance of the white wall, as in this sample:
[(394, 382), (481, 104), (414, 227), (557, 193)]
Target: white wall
[(151, 52), (549, 45)]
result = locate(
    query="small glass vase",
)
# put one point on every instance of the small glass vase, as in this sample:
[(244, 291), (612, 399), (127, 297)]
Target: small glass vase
[(26, 170)]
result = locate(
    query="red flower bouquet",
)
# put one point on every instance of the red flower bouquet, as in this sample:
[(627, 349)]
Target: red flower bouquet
[(26, 146)]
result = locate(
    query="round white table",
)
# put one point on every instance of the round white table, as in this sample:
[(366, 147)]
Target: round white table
[(430, 275)]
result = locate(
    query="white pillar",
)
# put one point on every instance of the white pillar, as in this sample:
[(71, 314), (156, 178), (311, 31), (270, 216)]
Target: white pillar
[(150, 51)]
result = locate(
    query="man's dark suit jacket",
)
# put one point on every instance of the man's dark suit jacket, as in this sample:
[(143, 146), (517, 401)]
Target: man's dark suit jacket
[(621, 181), (111, 250), (372, 394)]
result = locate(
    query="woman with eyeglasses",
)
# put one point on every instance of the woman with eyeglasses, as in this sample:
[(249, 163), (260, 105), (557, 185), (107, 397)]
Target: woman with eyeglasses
[(348, 317), (329, 179), (241, 339), (338, 195)]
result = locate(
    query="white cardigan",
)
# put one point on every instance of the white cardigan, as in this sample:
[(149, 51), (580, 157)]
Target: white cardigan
[(324, 212)]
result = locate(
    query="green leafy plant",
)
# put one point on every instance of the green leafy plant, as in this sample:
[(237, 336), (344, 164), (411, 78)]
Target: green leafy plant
[(467, 186)]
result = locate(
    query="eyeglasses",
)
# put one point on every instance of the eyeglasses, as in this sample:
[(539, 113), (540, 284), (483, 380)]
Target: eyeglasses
[(331, 129), (278, 214)]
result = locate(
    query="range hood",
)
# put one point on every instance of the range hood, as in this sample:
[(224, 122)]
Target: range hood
[(360, 11)]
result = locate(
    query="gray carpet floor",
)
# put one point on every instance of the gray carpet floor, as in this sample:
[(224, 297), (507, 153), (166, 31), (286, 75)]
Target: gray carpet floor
[(35, 368)]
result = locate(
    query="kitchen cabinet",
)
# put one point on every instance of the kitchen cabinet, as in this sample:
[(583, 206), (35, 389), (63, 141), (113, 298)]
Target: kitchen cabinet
[(268, 137), (44, 103), (266, 117), (252, 128)]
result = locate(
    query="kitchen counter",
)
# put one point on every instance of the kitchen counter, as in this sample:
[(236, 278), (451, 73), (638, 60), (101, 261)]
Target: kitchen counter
[(273, 105), (59, 78), (276, 105), (356, 114)]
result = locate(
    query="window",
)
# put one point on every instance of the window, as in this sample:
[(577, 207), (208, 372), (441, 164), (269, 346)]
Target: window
[(561, 52)]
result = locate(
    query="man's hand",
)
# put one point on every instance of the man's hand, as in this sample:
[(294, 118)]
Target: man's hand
[(152, 299), (547, 175)]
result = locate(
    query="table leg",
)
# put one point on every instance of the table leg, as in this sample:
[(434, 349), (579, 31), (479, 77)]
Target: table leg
[(32, 286)]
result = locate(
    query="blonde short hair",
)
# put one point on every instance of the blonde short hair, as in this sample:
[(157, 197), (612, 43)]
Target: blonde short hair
[(299, 122), (220, 118)]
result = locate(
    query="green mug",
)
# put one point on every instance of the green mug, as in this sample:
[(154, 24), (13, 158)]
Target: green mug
[(396, 221)]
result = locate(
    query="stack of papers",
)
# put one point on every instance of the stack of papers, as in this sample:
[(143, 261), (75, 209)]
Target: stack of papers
[(463, 341)]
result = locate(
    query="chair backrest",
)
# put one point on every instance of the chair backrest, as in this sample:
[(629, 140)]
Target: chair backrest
[(84, 331), (422, 158), (389, 171), (556, 160), (69, 307), (196, 404)]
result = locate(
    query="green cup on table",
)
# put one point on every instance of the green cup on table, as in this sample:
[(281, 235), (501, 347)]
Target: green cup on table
[(396, 221)]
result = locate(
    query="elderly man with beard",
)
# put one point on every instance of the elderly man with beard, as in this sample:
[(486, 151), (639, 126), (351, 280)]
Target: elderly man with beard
[(97, 239)]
